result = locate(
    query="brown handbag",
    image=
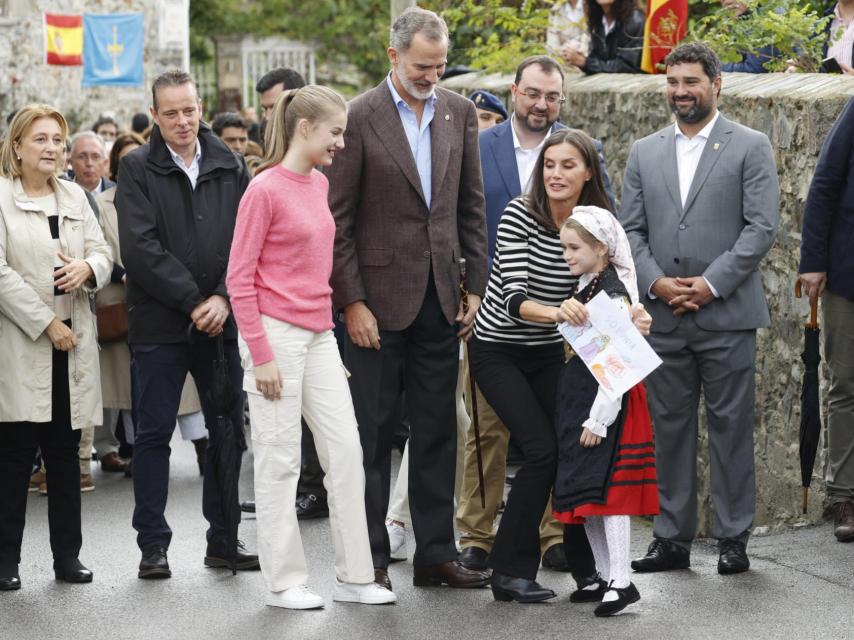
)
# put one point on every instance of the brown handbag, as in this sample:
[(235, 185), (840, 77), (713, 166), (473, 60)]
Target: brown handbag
[(112, 322)]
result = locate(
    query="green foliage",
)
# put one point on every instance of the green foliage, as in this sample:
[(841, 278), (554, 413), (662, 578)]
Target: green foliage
[(355, 31), (494, 35), (789, 26)]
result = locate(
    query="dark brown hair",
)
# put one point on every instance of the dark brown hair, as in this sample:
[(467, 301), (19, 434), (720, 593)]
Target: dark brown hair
[(122, 140), (173, 78), (622, 11), (547, 64), (593, 191)]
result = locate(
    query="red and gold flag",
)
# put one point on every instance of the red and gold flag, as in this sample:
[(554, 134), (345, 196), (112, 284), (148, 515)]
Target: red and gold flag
[(63, 39), (666, 22)]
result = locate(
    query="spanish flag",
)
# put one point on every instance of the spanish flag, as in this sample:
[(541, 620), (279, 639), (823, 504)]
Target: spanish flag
[(666, 22), (63, 39)]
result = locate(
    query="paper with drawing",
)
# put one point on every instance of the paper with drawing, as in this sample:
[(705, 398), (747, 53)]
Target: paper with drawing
[(611, 347)]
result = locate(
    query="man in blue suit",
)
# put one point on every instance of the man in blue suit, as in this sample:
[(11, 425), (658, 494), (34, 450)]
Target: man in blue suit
[(508, 153)]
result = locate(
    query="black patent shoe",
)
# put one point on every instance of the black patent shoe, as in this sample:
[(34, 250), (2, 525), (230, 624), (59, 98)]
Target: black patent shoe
[(309, 506), (583, 594), (9, 578), (625, 597), (473, 558), (555, 558), (247, 506), (71, 570), (154, 564), (733, 558), (508, 588), (216, 557), (663, 555)]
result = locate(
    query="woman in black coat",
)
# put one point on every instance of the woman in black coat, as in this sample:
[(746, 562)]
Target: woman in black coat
[(616, 38)]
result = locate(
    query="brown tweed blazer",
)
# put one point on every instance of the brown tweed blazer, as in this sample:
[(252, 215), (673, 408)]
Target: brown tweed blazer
[(386, 239)]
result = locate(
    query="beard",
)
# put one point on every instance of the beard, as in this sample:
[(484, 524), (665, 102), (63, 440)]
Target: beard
[(698, 112), (410, 86), (533, 126)]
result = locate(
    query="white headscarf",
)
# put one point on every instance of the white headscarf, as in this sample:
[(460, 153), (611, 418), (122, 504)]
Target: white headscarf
[(607, 230)]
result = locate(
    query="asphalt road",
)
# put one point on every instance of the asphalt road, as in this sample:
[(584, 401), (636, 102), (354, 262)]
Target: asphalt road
[(801, 586)]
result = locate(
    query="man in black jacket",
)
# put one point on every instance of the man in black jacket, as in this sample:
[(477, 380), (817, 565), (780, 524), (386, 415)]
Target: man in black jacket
[(177, 206)]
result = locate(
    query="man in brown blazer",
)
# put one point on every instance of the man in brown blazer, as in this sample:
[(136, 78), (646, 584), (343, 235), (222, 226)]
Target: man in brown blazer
[(407, 197)]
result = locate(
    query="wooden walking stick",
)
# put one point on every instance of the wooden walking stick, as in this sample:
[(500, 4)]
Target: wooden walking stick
[(472, 390)]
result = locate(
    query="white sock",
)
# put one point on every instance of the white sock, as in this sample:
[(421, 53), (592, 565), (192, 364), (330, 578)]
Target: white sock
[(595, 531), (618, 535)]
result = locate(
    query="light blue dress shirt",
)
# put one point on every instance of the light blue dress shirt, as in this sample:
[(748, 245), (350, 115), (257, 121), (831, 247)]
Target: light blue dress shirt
[(418, 137)]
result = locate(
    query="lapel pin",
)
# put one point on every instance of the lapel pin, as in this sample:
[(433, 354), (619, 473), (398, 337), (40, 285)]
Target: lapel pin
[(717, 146), (447, 117)]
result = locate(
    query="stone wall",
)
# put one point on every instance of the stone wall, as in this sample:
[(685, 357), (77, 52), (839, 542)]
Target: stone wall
[(24, 77), (795, 111)]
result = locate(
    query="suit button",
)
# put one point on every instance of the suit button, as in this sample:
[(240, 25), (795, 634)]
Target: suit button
[(204, 275), (676, 260), (682, 227), (426, 254), (199, 218)]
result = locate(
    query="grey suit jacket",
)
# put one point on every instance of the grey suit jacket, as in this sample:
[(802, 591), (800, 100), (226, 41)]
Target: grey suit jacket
[(387, 241), (722, 233)]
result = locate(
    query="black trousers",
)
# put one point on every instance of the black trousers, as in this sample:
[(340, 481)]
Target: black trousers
[(59, 446), (423, 358), (161, 370), (520, 383)]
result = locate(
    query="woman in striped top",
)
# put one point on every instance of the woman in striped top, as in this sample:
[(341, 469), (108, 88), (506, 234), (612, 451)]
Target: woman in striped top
[(517, 353)]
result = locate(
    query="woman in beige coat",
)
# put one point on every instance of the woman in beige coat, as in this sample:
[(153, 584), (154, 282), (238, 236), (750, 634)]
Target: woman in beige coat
[(115, 357), (53, 258)]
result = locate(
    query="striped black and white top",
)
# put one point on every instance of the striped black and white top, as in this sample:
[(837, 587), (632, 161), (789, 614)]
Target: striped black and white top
[(61, 300), (528, 265)]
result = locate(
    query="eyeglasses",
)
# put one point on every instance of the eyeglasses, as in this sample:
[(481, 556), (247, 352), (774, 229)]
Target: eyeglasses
[(535, 96)]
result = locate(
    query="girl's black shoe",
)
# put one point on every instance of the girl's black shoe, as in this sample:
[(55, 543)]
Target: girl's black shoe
[(625, 597), (590, 595)]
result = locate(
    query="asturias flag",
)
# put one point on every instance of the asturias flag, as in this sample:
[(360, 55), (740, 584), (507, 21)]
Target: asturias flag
[(112, 49), (63, 39), (666, 22)]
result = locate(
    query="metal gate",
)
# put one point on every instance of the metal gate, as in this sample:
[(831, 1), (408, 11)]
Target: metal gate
[(261, 56)]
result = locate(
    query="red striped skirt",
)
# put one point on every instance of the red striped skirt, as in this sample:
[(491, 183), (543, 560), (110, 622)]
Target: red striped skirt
[(633, 485)]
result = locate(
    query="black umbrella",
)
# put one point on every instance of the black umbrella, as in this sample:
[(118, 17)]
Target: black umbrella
[(226, 445), (810, 411)]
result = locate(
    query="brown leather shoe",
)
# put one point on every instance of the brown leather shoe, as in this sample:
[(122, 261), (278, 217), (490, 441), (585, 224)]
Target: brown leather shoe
[(382, 579), (112, 463), (452, 574), (842, 515)]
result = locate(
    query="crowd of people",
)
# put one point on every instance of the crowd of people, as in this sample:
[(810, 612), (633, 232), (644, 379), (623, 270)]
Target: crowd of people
[(354, 276)]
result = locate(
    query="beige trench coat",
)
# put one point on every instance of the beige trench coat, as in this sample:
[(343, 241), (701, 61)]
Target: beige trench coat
[(115, 356), (26, 304)]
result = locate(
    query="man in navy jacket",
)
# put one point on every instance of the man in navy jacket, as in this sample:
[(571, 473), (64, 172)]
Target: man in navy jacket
[(827, 270)]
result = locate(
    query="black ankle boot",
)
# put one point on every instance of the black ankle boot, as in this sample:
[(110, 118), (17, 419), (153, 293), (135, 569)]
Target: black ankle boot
[(201, 445), (71, 570), (625, 597)]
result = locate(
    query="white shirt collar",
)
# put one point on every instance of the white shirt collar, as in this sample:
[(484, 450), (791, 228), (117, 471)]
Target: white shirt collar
[(704, 133), (177, 159)]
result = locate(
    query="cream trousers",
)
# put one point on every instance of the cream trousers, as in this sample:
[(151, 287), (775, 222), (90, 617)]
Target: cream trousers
[(314, 386)]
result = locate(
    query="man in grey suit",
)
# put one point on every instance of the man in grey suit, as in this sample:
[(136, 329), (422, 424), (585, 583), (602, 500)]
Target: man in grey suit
[(699, 206)]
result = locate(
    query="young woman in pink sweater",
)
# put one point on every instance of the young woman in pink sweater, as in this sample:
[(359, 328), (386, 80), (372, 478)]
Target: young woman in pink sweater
[(278, 281)]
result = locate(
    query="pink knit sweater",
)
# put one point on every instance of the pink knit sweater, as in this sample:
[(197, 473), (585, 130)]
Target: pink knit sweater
[(281, 256)]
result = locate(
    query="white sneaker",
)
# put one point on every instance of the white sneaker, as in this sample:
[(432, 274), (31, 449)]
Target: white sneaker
[(370, 593), (298, 597), (396, 540)]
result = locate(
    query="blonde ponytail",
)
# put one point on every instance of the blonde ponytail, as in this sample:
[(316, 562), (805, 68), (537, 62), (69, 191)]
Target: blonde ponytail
[(312, 102)]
